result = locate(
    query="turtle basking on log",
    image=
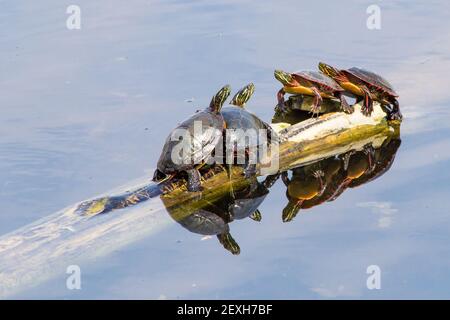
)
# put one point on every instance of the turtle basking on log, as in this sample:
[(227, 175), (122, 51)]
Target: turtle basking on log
[(367, 85), (243, 132), (197, 150), (310, 83)]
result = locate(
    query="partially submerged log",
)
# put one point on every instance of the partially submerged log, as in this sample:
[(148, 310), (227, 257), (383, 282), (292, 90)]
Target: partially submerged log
[(42, 250)]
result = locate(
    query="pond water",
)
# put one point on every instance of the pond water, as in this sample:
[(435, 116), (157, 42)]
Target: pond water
[(85, 111)]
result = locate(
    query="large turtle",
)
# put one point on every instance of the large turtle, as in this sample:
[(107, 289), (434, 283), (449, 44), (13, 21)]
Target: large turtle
[(243, 139), (195, 149), (313, 84), (366, 84)]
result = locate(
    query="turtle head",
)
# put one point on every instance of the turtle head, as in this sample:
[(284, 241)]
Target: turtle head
[(243, 95), (284, 77), (219, 98), (328, 70), (229, 243), (291, 210)]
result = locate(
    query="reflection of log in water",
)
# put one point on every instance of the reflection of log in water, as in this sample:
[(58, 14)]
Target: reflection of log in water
[(42, 250)]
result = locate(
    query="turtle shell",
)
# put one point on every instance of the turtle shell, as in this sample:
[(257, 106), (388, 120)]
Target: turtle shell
[(245, 204), (204, 222), (320, 79), (373, 79), (199, 136), (239, 118)]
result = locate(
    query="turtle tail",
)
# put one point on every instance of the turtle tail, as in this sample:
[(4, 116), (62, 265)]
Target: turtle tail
[(219, 98), (243, 95)]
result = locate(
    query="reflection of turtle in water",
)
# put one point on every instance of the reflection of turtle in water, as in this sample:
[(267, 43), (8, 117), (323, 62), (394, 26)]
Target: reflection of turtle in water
[(383, 159), (355, 165), (214, 218), (243, 140), (196, 149), (350, 170), (366, 84), (307, 184)]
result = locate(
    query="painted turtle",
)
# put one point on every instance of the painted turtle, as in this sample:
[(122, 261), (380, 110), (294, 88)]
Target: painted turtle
[(313, 84), (196, 149), (366, 84), (243, 138)]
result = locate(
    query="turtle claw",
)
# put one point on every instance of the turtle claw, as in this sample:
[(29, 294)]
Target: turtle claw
[(367, 110), (395, 116), (250, 171)]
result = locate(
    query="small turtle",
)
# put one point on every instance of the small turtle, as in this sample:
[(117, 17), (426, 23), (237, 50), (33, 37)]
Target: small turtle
[(303, 186), (366, 84), (197, 150), (242, 134), (313, 84)]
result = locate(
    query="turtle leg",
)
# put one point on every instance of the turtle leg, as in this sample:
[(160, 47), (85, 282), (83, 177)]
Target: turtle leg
[(346, 159), (319, 174), (317, 102), (370, 152), (194, 180), (270, 180), (280, 97), (395, 113), (368, 102), (158, 176), (285, 178), (344, 104), (250, 170), (229, 243)]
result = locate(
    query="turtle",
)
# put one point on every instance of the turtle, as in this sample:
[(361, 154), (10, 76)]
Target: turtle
[(196, 150), (303, 186), (368, 85), (310, 83), (242, 134)]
